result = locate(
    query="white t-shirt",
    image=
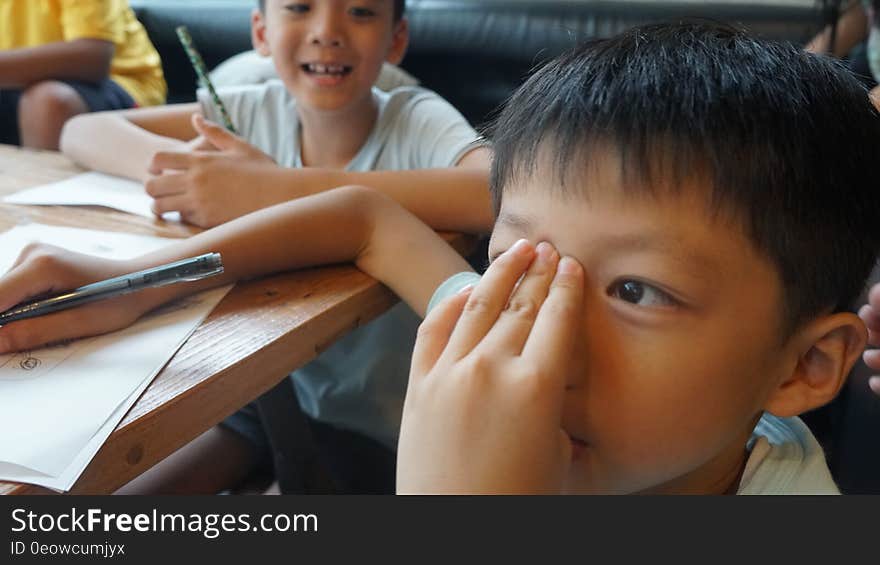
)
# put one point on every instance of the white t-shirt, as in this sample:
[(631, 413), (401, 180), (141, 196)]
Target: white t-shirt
[(360, 381), (784, 457), (416, 128)]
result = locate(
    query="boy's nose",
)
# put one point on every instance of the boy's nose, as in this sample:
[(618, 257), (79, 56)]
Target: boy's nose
[(326, 31)]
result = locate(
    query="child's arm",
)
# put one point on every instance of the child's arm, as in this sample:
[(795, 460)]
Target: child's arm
[(123, 142), (207, 188), (505, 348), (81, 59), (348, 224), (852, 27)]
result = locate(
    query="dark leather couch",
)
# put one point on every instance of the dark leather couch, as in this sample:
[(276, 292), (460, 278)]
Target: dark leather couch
[(475, 53)]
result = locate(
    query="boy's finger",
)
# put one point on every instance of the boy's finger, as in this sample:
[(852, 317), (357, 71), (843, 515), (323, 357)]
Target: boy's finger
[(219, 136), (871, 317), (488, 298), (174, 203), (551, 343), (872, 358), (510, 332), (170, 160), (21, 283), (165, 185), (873, 338), (434, 334), (874, 296), (37, 332), (874, 383), (201, 144)]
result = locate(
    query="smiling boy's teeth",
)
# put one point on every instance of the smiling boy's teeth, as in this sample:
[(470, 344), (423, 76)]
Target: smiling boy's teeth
[(325, 69)]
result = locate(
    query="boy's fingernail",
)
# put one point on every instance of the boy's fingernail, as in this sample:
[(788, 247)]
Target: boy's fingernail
[(519, 246), (569, 266), (545, 250), (466, 289)]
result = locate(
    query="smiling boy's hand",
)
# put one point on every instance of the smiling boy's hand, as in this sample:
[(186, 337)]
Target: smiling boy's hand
[(215, 181), (45, 269), (870, 314), (483, 410)]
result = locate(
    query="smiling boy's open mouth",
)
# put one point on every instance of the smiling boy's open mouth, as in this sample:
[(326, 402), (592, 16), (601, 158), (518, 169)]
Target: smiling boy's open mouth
[(319, 69)]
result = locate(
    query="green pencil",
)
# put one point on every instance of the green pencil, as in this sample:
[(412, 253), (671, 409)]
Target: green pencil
[(202, 72)]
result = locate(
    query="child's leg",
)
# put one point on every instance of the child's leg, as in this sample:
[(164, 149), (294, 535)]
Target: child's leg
[(42, 111), (9, 116), (219, 459), (44, 107), (215, 461)]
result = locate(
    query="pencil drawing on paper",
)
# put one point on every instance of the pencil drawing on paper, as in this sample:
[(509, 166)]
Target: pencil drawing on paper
[(34, 364)]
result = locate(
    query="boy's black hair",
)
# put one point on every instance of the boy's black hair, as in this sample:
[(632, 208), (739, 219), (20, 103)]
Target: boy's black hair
[(788, 141), (399, 8)]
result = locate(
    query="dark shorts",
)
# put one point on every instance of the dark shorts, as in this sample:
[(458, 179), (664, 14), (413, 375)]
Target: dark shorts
[(105, 95), (356, 463)]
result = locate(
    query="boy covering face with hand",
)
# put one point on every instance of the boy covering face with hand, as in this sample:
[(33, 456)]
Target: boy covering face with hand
[(714, 188)]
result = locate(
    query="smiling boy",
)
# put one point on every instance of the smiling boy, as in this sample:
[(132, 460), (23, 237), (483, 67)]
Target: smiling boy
[(687, 300)]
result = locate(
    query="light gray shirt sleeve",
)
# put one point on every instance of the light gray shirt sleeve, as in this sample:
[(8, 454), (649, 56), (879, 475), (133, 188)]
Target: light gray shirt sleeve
[(430, 132)]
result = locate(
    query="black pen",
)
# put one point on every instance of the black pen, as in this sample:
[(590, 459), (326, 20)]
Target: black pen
[(192, 269)]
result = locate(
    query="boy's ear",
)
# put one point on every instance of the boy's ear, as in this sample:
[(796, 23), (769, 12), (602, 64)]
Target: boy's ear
[(827, 350), (258, 33), (399, 42)]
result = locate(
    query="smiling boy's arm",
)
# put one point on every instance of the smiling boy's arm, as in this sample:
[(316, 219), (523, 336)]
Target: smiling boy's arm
[(206, 187), (94, 140), (349, 224)]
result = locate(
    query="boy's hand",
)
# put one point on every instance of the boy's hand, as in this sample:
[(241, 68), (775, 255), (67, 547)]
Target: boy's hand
[(483, 411), (870, 314), (44, 270), (208, 187)]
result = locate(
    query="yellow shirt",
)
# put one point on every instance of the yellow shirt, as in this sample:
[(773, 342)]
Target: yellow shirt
[(136, 66)]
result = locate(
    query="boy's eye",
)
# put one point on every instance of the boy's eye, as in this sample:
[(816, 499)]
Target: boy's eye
[(360, 12), (297, 7), (641, 294)]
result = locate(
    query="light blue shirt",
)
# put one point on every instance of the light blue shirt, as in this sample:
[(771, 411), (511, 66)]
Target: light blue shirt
[(360, 381), (785, 458)]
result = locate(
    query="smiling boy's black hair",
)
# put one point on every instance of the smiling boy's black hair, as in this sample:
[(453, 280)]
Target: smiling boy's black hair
[(785, 141), (399, 8)]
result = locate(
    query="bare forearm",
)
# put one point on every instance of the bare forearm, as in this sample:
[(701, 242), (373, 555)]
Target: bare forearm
[(82, 59), (454, 199), (349, 224), (280, 238), (110, 143)]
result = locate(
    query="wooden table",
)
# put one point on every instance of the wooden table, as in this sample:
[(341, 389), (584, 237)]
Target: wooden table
[(261, 331)]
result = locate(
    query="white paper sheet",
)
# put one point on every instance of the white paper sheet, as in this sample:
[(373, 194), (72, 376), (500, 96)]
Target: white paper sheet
[(92, 189), (59, 404)]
